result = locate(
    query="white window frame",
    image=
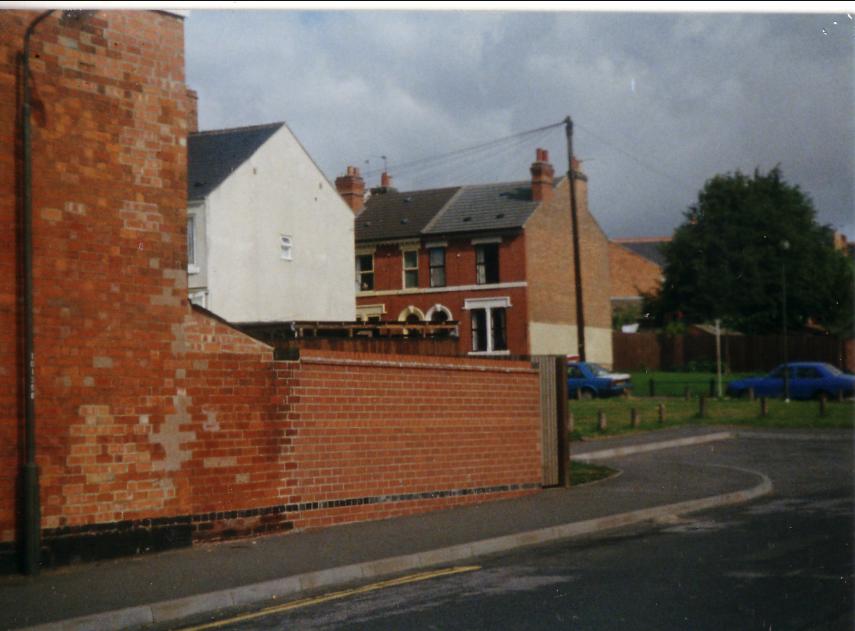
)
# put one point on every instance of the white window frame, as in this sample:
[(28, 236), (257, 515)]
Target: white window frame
[(286, 247), (488, 304), (192, 266), (405, 269), (359, 273)]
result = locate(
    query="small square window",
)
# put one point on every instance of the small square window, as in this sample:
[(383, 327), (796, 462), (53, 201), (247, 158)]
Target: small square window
[(286, 248)]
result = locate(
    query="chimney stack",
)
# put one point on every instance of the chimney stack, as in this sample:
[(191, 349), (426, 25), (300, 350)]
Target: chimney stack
[(385, 180), (351, 187), (192, 111), (542, 174)]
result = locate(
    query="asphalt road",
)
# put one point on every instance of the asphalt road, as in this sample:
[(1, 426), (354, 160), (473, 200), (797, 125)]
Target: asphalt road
[(782, 562)]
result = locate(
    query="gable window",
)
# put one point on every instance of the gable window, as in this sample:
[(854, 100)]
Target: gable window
[(411, 269), (437, 266), (192, 267), (286, 247), (364, 272), (487, 263), (489, 324)]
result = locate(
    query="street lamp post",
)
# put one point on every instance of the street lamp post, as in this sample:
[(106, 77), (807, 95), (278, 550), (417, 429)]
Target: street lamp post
[(785, 246)]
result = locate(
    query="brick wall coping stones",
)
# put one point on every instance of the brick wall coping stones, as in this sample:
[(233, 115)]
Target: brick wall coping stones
[(407, 361)]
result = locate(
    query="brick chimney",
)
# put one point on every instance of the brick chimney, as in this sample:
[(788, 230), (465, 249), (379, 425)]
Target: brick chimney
[(351, 187), (385, 180), (192, 111), (542, 174)]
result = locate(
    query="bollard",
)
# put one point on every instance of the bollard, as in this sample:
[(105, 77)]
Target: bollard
[(577, 394), (571, 422), (661, 413), (764, 408), (602, 424), (634, 418), (840, 396), (686, 393), (652, 387), (822, 406), (750, 394), (702, 406)]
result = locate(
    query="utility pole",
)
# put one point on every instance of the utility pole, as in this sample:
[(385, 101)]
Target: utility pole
[(577, 257)]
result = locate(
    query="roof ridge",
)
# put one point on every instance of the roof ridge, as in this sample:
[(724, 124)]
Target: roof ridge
[(441, 211), (641, 240), (212, 132)]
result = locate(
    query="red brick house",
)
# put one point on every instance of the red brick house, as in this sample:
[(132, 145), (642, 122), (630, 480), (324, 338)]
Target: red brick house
[(497, 258), (635, 268)]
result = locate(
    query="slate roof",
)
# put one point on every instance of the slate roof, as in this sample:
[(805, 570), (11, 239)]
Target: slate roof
[(647, 248), (471, 208), (214, 155), (396, 215)]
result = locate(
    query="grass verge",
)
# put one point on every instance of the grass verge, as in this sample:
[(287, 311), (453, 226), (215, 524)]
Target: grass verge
[(679, 412), (585, 473)]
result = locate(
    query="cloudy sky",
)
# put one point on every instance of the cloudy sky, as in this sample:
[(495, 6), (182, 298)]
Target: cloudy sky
[(661, 102)]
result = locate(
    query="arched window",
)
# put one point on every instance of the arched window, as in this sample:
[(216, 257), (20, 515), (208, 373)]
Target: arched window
[(411, 315), (439, 313)]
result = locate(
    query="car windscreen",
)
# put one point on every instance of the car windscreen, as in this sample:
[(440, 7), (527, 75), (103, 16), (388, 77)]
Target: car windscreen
[(597, 370)]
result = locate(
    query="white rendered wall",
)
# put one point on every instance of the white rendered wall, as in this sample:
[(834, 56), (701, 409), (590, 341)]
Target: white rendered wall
[(279, 191)]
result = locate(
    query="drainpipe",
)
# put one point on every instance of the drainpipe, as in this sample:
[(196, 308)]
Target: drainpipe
[(31, 513)]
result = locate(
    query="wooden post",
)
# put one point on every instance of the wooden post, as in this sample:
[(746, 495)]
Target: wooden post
[(661, 413), (652, 387), (702, 406), (564, 422), (602, 423), (634, 418), (750, 394), (764, 408), (823, 411)]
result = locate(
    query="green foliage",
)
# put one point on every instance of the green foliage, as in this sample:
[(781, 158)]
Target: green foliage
[(728, 260), (625, 314)]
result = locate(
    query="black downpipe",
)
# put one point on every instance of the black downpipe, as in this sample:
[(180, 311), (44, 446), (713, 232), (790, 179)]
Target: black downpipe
[(31, 509)]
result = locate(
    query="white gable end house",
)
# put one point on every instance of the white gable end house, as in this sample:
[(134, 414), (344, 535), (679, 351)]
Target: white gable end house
[(269, 238)]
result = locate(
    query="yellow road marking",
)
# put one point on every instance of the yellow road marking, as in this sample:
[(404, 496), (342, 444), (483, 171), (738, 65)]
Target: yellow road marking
[(345, 593)]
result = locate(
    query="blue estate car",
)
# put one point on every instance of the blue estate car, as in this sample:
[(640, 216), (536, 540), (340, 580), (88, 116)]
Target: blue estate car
[(808, 380), (590, 380)]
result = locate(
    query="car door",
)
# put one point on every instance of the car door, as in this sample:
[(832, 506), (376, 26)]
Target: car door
[(772, 385), (806, 383)]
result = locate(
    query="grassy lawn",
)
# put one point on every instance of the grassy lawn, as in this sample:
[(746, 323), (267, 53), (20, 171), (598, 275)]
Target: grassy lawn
[(673, 384), (804, 414), (584, 473)]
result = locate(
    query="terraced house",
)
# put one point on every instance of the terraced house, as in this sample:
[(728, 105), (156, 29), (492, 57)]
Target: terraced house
[(497, 258)]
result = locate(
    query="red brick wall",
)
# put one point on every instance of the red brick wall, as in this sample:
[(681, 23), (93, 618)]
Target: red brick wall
[(363, 426)]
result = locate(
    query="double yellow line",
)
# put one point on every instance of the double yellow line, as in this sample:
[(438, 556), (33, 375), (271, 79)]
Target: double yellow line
[(345, 593)]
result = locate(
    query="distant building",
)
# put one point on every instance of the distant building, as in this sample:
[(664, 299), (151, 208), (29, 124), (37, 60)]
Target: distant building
[(269, 239), (497, 258), (635, 268)]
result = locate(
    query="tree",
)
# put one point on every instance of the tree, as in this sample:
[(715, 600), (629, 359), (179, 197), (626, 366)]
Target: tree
[(728, 260)]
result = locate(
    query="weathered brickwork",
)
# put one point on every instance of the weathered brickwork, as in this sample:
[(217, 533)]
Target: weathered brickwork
[(156, 422)]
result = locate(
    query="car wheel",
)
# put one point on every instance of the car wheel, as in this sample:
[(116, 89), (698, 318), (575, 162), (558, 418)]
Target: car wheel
[(587, 394)]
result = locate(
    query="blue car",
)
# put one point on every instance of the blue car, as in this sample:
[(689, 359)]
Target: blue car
[(587, 381), (808, 380)]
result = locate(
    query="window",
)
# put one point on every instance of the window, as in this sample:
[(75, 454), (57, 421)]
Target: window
[(489, 324), (437, 267), (489, 330), (364, 272), (192, 267), (487, 263), (286, 248), (411, 269)]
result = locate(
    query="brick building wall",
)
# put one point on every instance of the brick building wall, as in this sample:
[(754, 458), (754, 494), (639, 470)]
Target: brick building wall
[(631, 274), (157, 424), (460, 272)]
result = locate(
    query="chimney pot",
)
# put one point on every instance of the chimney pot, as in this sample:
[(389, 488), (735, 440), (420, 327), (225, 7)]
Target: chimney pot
[(542, 173)]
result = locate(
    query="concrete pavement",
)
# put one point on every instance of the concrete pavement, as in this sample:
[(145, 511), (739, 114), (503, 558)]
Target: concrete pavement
[(172, 585)]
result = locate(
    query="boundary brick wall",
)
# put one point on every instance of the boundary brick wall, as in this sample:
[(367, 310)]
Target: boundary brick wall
[(380, 436)]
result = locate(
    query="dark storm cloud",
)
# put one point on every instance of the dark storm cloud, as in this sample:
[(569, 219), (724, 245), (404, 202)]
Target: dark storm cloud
[(662, 102)]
